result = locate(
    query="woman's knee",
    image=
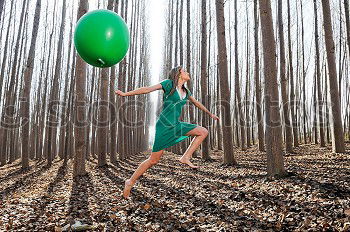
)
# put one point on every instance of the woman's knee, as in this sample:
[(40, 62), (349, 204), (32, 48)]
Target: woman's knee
[(204, 131), (153, 161), (155, 157)]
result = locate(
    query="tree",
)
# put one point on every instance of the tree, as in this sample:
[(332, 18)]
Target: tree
[(237, 87), (204, 77), (27, 81), (347, 23), (102, 118), (337, 127), (275, 163), (51, 132), (2, 3), (284, 82), (224, 86), (291, 74), (318, 79), (79, 107), (259, 116)]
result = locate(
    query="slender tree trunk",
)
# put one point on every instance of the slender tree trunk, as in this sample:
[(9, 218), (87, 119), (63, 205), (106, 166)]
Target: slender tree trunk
[(347, 22), (237, 87), (10, 96), (247, 92), (259, 116), (318, 79), (291, 74), (52, 124), (102, 119), (204, 78), (304, 77), (224, 86), (275, 166), (2, 3), (3, 131), (28, 74), (112, 105), (337, 127), (284, 82), (327, 106), (79, 108)]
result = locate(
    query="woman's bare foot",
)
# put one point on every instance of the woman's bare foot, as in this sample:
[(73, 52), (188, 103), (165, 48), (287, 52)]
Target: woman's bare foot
[(185, 160), (127, 189)]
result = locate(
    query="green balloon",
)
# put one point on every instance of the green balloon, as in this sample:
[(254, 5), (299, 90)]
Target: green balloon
[(102, 38)]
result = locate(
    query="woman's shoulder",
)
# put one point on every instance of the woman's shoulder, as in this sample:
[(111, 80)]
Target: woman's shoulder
[(166, 81), (167, 84)]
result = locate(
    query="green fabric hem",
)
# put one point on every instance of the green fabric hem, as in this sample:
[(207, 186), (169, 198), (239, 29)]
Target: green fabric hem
[(182, 137), (171, 144)]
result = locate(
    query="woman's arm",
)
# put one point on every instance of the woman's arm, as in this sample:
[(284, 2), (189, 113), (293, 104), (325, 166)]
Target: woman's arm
[(142, 90), (202, 107)]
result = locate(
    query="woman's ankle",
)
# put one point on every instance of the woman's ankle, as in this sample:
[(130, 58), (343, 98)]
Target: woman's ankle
[(130, 182)]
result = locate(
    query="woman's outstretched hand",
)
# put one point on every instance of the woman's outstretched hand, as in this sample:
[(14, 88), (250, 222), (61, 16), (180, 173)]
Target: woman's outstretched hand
[(120, 93), (214, 117)]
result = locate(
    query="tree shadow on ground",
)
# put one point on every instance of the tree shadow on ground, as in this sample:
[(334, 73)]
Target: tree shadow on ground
[(79, 200), (14, 174), (7, 166), (46, 198), (327, 189), (22, 182)]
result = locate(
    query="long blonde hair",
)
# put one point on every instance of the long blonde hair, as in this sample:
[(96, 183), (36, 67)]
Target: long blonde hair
[(174, 76)]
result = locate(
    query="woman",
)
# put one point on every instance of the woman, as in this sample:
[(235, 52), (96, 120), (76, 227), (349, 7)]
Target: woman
[(169, 130)]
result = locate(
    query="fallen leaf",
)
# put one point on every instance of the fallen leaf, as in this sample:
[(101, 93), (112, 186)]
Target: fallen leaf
[(147, 206)]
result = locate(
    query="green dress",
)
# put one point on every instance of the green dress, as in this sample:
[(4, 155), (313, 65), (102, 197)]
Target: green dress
[(169, 129)]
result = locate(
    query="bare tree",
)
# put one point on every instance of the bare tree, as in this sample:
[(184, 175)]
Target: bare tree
[(51, 132), (337, 127), (275, 163), (79, 107), (259, 117), (291, 75), (204, 77), (237, 87), (347, 22), (27, 81), (284, 82), (318, 78), (224, 86)]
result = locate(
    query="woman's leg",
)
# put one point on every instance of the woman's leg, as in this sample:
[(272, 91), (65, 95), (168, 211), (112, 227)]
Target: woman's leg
[(142, 168), (200, 134)]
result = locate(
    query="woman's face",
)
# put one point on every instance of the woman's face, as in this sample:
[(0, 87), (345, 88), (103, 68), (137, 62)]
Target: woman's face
[(184, 75)]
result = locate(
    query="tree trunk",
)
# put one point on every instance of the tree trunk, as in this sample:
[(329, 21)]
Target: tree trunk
[(204, 78), (27, 81), (2, 3), (275, 166), (284, 82), (291, 73), (224, 86), (259, 115), (318, 79), (3, 152), (337, 127), (347, 22), (304, 74), (52, 124), (79, 108), (102, 121), (237, 87)]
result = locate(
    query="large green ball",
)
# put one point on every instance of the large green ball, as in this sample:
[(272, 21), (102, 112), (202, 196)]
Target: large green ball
[(102, 38)]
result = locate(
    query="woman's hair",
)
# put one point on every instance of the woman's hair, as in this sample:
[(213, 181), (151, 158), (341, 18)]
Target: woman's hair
[(174, 76)]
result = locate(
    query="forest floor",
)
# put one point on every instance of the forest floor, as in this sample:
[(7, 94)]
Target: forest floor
[(172, 197)]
